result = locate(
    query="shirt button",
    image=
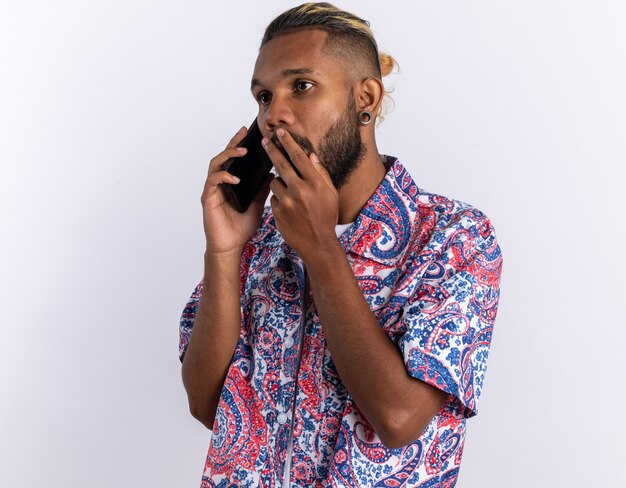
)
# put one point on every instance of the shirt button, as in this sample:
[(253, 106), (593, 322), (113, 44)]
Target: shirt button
[(289, 341), (282, 418)]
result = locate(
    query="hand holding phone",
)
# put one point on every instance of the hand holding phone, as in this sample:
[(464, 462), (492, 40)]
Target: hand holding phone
[(251, 169)]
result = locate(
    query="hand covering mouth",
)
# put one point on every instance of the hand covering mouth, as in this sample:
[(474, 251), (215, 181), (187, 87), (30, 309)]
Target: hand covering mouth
[(280, 147), (301, 141)]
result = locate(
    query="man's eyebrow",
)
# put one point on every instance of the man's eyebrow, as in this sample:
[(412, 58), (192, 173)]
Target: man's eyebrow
[(297, 71), (285, 73)]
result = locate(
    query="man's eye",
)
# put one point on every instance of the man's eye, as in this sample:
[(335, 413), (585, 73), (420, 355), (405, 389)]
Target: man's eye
[(264, 98), (302, 86)]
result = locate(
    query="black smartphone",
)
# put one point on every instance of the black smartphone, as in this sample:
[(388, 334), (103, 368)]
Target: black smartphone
[(251, 169)]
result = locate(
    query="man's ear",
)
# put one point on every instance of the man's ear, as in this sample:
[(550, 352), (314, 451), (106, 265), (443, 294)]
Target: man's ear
[(369, 95)]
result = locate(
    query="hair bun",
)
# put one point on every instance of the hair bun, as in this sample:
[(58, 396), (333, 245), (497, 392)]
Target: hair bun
[(387, 63)]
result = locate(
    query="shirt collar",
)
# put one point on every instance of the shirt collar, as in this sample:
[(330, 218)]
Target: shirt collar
[(383, 228)]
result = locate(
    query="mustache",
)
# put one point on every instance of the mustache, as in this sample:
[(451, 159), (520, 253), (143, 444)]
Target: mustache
[(301, 140)]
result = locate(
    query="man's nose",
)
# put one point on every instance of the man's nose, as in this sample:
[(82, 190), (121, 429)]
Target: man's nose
[(278, 114)]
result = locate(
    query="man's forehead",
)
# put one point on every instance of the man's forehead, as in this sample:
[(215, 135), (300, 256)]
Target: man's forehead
[(300, 50)]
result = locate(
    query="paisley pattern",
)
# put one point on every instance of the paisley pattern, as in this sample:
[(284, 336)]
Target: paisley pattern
[(429, 267)]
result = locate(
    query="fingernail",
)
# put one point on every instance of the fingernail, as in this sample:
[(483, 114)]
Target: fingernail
[(264, 142), (235, 179), (314, 158), (280, 132), (241, 149)]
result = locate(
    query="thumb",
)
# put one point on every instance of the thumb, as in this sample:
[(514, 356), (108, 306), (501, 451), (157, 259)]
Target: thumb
[(317, 164)]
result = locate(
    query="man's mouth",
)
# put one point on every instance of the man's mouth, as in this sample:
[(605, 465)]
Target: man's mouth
[(275, 140), (302, 141), (280, 147)]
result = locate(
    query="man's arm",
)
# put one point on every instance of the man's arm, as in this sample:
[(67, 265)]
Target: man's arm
[(215, 333), (305, 205), (398, 406), (217, 322)]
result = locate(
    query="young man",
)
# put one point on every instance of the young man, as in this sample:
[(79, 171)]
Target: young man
[(340, 336)]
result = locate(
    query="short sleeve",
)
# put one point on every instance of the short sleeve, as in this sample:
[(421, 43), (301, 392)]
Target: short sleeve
[(191, 308), (187, 319), (450, 316)]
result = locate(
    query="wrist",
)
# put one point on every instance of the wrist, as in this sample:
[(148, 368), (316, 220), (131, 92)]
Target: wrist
[(222, 262), (224, 255), (324, 253)]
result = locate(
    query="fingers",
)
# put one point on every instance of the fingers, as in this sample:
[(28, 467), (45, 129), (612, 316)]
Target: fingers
[(231, 151), (278, 187), (319, 167), (298, 157), (215, 179), (237, 138), (281, 163), (302, 166)]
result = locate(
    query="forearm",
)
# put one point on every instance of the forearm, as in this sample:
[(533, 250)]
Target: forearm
[(214, 335), (371, 366)]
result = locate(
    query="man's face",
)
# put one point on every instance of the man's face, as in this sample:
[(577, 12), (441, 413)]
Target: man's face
[(303, 90)]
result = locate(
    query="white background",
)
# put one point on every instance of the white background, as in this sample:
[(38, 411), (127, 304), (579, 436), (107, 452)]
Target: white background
[(109, 113)]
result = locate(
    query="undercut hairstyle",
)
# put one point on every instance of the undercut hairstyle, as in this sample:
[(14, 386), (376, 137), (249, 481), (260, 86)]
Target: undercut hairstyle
[(349, 37)]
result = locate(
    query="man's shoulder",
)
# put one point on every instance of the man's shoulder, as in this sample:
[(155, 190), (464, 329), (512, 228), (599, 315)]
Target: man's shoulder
[(428, 208), (448, 211)]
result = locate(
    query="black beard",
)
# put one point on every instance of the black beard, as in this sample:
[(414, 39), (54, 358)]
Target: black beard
[(341, 149)]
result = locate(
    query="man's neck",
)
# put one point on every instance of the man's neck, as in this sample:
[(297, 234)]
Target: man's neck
[(360, 186)]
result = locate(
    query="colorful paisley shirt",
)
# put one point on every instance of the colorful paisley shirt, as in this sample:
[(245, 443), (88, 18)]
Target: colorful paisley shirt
[(429, 268)]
